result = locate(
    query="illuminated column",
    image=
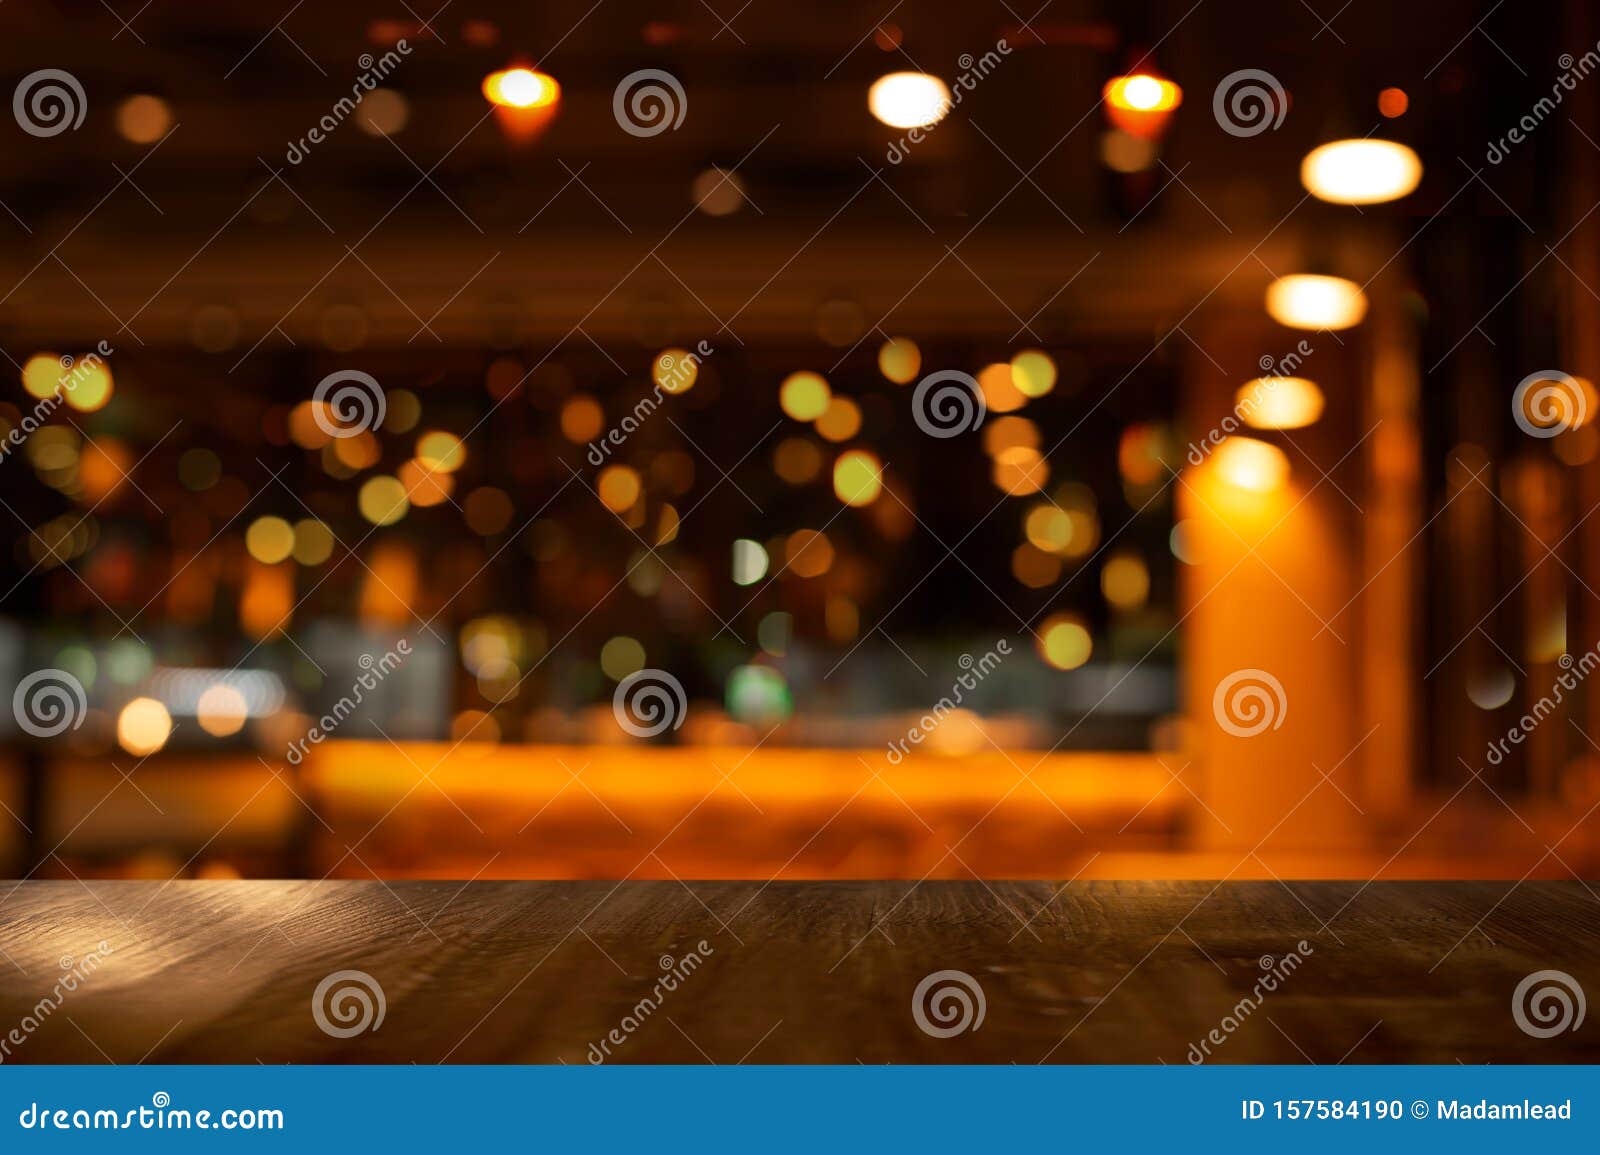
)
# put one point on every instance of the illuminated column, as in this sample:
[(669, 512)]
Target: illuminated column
[(1275, 559)]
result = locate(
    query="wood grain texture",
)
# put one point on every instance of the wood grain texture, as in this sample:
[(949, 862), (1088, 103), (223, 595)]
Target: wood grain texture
[(1126, 972)]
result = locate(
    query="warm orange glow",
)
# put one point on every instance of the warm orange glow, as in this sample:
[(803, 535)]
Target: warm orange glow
[(269, 539), (1064, 641), (1141, 104), (143, 727), (1048, 527), (796, 460), (1140, 454), (840, 421), (874, 803), (1142, 92), (1125, 581), (221, 710), (266, 605), (359, 452), (423, 486), (909, 99), (675, 370), (383, 500), (899, 359), (1305, 301), (1393, 102), (857, 477), (804, 396), (1033, 372), (1000, 392), (389, 586), (143, 119), (313, 542), (1360, 172), (619, 487), (41, 375), (1279, 403), (1020, 471), (87, 385), (1245, 463), (810, 553), (582, 419), (441, 452), (1033, 567), (1009, 433), (521, 88), (103, 467), (309, 422)]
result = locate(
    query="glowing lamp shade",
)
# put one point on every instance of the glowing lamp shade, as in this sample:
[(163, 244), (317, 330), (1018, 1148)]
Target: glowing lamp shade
[(1360, 172), (1246, 463), (521, 88), (1279, 403), (525, 101), (1141, 103), (1304, 301), (909, 99)]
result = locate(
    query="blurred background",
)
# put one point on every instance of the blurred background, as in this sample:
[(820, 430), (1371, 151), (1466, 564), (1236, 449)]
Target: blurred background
[(501, 442)]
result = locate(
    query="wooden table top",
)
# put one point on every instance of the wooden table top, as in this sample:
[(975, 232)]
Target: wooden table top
[(1125, 972)]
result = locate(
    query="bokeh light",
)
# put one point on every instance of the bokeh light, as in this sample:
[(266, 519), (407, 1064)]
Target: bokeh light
[(143, 727), (1360, 172), (804, 396), (909, 99), (857, 477)]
